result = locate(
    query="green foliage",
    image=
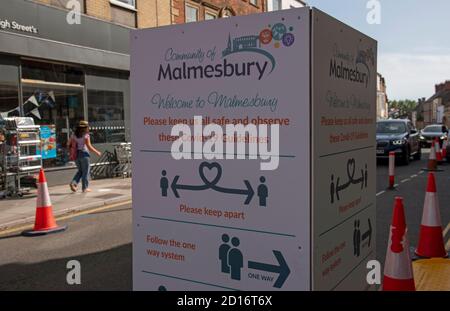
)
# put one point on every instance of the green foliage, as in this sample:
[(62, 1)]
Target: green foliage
[(404, 107)]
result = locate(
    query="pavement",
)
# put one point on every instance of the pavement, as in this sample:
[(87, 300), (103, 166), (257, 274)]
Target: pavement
[(18, 211)]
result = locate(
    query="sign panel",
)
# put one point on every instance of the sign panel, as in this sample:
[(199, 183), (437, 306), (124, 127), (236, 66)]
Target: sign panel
[(344, 158), (208, 223), (48, 142)]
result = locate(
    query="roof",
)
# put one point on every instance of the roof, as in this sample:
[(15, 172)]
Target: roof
[(445, 95)]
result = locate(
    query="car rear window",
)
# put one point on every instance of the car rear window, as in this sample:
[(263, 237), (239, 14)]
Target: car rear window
[(391, 127), (433, 129)]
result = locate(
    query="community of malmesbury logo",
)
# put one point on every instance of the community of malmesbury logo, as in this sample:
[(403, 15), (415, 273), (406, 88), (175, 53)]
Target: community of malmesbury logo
[(278, 34), (354, 69)]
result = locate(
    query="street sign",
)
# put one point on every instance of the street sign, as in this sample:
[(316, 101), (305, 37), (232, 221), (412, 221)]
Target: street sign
[(291, 210)]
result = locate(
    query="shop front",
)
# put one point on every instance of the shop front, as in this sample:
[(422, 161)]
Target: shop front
[(59, 74)]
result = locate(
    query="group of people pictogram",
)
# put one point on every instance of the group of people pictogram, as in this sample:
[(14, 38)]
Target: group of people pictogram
[(231, 258)]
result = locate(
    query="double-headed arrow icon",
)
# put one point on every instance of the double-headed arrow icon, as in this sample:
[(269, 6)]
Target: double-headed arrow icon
[(282, 269), (212, 184)]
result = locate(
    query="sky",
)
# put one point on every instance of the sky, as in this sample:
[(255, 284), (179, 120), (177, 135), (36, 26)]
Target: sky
[(413, 41)]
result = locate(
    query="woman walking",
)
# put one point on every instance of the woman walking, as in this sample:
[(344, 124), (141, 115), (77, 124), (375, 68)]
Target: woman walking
[(81, 145)]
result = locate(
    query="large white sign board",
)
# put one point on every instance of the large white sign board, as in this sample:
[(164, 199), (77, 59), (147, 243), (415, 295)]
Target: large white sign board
[(221, 224), (226, 224)]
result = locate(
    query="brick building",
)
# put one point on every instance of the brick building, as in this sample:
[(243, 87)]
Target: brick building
[(275, 5), (154, 13), (382, 99), (198, 10), (438, 105), (131, 13)]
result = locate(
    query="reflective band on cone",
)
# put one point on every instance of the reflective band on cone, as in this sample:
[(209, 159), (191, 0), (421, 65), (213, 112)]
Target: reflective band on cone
[(391, 170), (438, 150), (398, 272), (431, 241), (432, 163)]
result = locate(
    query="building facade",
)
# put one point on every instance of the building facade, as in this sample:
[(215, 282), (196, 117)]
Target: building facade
[(62, 61), (275, 5), (382, 99), (185, 11), (437, 106)]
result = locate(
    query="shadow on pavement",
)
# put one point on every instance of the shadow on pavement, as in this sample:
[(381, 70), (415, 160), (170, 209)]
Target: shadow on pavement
[(10, 237), (105, 270), (111, 211)]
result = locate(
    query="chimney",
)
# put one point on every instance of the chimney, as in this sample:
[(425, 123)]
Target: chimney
[(444, 86)]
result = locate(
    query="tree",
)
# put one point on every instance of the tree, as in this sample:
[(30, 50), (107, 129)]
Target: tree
[(402, 108)]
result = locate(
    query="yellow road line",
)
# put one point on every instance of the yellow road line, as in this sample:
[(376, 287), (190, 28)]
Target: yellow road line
[(447, 230), (85, 212)]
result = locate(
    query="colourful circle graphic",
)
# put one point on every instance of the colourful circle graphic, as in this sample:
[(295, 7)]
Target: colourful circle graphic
[(288, 39), (265, 36), (277, 45), (278, 30)]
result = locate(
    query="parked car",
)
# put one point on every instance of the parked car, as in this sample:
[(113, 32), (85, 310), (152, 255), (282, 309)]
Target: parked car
[(431, 132), (398, 136)]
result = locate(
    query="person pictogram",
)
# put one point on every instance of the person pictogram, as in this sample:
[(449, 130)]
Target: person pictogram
[(223, 253), (365, 177), (164, 183), (332, 187), (235, 260), (263, 192), (357, 239)]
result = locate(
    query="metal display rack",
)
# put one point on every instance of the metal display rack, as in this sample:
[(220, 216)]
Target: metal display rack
[(19, 154)]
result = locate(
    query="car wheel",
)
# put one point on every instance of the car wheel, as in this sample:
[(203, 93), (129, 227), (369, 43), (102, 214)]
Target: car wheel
[(406, 157), (418, 155)]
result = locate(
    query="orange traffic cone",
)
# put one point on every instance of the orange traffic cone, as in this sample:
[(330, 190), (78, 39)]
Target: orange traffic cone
[(431, 241), (432, 162), (44, 222), (438, 150), (398, 273)]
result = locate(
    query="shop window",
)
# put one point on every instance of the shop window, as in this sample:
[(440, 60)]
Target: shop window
[(106, 116), (9, 100), (59, 107), (50, 72), (9, 87)]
